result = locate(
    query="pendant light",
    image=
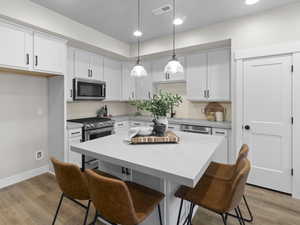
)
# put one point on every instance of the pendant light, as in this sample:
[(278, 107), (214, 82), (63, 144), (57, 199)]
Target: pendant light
[(173, 66), (138, 70)]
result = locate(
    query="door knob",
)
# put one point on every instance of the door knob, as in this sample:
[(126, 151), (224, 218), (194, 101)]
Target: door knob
[(247, 127)]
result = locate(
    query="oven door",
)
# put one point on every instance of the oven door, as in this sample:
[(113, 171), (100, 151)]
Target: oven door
[(98, 133), (85, 89)]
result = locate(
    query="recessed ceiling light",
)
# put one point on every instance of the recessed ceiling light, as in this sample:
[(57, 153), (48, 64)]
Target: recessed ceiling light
[(178, 21), (138, 33), (251, 2)]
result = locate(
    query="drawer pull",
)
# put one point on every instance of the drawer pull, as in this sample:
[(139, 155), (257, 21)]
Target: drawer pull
[(75, 133)]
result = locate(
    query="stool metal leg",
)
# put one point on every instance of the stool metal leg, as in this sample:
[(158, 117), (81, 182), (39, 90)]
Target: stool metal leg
[(159, 214), (250, 220), (58, 208), (224, 219), (179, 214), (87, 213), (240, 219)]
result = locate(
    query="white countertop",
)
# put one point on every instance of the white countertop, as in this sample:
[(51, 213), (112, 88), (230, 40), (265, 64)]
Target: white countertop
[(182, 163)]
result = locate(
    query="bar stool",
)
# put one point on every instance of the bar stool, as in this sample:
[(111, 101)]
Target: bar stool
[(226, 171), (73, 184), (119, 202), (217, 195)]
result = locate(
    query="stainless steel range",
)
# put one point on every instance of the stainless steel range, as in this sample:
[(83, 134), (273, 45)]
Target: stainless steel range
[(94, 127)]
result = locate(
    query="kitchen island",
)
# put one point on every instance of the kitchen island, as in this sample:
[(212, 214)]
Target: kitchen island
[(163, 167)]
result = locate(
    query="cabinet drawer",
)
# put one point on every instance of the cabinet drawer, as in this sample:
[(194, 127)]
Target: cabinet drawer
[(75, 133)]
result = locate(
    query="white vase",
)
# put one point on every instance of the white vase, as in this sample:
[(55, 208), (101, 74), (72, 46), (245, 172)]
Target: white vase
[(164, 120)]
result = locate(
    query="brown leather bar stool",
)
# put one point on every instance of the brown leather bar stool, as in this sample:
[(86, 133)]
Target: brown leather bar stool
[(217, 195), (73, 184), (119, 202), (226, 171)]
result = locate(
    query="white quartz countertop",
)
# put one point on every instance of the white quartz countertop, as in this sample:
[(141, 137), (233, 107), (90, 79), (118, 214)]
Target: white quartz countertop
[(182, 163)]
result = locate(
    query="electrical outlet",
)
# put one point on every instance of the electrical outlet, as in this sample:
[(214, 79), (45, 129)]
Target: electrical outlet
[(39, 155)]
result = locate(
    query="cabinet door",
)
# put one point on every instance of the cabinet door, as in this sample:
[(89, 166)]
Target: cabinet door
[(96, 67), (144, 87), (16, 47), (82, 64), (219, 75), (128, 82), (70, 74), (113, 77), (49, 54), (157, 68), (196, 76), (178, 76), (74, 157)]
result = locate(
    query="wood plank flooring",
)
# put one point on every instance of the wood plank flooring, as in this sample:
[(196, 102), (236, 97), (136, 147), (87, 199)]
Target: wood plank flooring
[(33, 202)]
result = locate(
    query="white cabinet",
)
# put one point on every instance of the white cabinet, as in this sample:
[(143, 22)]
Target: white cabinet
[(158, 75), (208, 76), (144, 87), (74, 137), (70, 74), (49, 54), (128, 82), (218, 83), (113, 78), (222, 153), (24, 49), (196, 76), (88, 65), (16, 47)]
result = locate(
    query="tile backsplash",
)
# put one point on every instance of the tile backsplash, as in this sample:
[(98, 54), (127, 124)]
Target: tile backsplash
[(192, 110)]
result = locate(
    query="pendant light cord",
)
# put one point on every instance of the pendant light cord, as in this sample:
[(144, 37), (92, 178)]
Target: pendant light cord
[(139, 29), (174, 31)]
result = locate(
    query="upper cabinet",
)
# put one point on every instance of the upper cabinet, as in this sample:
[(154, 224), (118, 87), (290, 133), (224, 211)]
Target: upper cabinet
[(49, 54), (144, 85), (158, 71), (24, 49), (16, 47), (208, 76), (128, 82), (218, 82), (113, 79), (88, 65)]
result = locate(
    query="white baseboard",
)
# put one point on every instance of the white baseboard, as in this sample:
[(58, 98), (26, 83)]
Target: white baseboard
[(4, 182)]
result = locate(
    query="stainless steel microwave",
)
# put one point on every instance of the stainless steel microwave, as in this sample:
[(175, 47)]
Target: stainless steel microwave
[(88, 89)]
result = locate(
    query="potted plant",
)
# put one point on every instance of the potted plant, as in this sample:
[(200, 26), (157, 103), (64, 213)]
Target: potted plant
[(160, 105)]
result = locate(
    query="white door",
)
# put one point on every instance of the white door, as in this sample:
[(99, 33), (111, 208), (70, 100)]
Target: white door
[(113, 78), (218, 81), (144, 85), (96, 67), (196, 76), (15, 47), (128, 82), (157, 69), (267, 120), (82, 64), (70, 75), (49, 54)]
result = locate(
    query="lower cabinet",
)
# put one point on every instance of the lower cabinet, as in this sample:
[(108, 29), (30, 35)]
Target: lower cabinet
[(222, 155), (74, 137)]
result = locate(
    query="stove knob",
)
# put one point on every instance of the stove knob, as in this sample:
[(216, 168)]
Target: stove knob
[(100, 124), (92, 125), (87, 126)]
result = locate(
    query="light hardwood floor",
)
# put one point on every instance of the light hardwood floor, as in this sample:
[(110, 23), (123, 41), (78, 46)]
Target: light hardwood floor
[(34, 201)]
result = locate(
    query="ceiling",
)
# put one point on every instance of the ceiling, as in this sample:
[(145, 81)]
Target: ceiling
[(118, 18)]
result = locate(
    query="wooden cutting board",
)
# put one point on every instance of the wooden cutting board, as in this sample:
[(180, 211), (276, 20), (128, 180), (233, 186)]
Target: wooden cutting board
[(170, 137)]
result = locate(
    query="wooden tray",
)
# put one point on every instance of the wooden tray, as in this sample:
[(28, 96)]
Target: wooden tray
[(169, 138)]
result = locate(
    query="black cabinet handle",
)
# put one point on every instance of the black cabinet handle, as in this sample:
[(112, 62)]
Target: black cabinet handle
[(247, 127), (123, 170), (127, 171), (36, 60), (91, 73), (27, 59), (71, 93)]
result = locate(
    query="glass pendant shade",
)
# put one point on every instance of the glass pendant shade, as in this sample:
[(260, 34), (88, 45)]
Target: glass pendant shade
[(138, 71), (173, 67)]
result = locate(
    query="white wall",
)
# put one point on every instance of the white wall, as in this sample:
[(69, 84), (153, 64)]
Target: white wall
[(270, 27), (23, 122), (32, 14)]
